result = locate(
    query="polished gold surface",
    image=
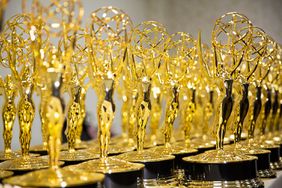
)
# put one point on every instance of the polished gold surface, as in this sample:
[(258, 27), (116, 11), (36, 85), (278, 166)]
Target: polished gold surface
[(105, 69), (5, 174), (8, 156), (55, 178), (145, 156), (173, 150), (25, 163), (78, 155), (8, 113), (219, 156), (107, 165), (146, 61), (192, 95)]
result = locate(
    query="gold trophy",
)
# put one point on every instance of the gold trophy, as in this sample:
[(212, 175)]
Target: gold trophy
[(231, 38), (250, 67), (8, 114), (149, 42), (276, 107), (56, 176), (76, 108), (199, 109), (74, 118), (266, 76), (107, 38), (16, 50), (180, 55)]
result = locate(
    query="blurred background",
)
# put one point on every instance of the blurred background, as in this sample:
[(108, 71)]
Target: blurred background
[(189, 16)]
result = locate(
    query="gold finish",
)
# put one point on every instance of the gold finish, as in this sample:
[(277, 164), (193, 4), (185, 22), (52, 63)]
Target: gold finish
[(149, 44), (8, 115), (145, 156), (237, 30), (59, 177), (105, 69), (5, 174), (107, 165)]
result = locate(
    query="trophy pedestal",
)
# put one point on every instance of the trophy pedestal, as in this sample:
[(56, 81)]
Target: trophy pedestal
[(275, 162), (221, 169), (56, 178), (158, 168), (5, 174), (118, 173), (178, 151), (77, 156), (27, 163), (263, 159), (9, 156)]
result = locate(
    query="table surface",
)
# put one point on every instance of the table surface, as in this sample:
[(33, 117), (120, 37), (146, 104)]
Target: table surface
[(274, 183)]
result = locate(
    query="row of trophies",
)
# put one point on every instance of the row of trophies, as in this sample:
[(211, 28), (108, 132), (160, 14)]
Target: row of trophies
[(217, 94)]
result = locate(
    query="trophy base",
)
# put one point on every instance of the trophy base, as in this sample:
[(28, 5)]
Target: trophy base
[(157, 165), (77, 156), (5, 174), (220, 166), (263, 162), (118, 173), (40, 149), (55, 178), (275, 162), (9, 156), (178, 151), (246, 183), (26, 163)]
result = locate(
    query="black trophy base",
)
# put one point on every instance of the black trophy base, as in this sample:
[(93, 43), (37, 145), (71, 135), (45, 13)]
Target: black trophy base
[(132, 179), (219, 168), (263, 165), (275, 162)]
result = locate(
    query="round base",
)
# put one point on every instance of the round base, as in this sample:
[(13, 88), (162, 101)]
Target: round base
[(178, 151), (156, 165), (275, 162), (130, 179), (174, 150), (5, 174), (119, 173), (55, 178), (77, 156), (8, 156), (107, 165), (254, 183), (220, 165), (263, 162), (27, 163)]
